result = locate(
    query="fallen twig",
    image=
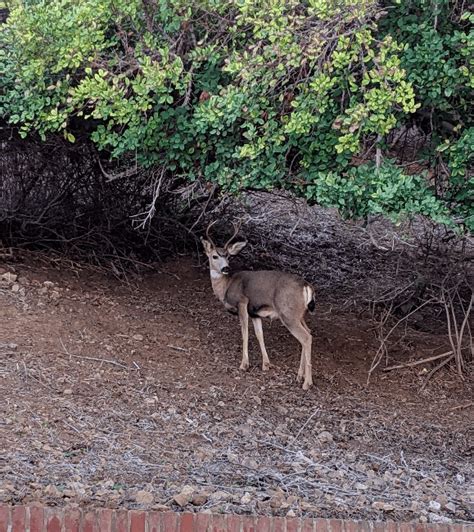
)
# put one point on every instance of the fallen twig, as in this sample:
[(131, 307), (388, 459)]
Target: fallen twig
[(461, 407), (417, 362), (95, 359)]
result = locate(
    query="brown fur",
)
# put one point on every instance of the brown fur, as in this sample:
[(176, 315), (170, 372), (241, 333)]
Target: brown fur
[(263, 294)]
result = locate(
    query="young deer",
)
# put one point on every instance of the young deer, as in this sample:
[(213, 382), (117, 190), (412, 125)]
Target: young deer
[(262, 294)]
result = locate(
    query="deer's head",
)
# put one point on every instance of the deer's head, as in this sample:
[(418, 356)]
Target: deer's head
[(219, 256)]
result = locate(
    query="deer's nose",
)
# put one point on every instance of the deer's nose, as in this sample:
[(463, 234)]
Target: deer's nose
[(226, 270)]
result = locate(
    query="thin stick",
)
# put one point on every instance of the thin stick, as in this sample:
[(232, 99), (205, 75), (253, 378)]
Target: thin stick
[(459, 407), (177, 348), (379, 354), (106, 360), (305, 424), (417, 362), (434, 370)]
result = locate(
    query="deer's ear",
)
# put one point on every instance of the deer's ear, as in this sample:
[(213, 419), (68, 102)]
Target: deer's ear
[(207, 245), (236, 247)]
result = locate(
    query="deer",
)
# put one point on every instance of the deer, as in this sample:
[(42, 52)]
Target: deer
[(261, 294)]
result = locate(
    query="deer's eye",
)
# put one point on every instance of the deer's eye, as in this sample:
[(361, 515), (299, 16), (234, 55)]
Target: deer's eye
[(215, 256)]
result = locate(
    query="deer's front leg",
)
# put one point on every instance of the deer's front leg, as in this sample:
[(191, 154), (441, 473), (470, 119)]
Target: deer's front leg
[(257, 325), (244, 324)]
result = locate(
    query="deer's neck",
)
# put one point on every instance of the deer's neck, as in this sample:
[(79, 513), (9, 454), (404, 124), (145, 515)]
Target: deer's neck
[(220, 284)]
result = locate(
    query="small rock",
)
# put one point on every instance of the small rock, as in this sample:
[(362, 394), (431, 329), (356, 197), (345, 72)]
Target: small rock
[(67, 391), (442, 499), (9, 346), (384, 506), (185, 496), (15, 287), (246, 498), (9, 277), (199, 499), (160, 507), (277, 501), (434, 506), (250, 463), (436, 518), (138, 337), (48, 284), (290, 513), (220, 496), (325, 437), (450, 507), (52, 491), (144, 497)]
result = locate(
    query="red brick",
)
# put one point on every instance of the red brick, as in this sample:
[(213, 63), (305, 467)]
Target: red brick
[(53, 519), (390, 526), (18, 519), (263, 524), (335, 525), (137, 521), (169, 522), (72, 520), (4, 517), (153, 520), (321, 525), (279, 524), (104, 518), (234, 523), (89, 522), (378, 526), (120, 521), (219, 523), (186, 522), (292, 524), (357, 526), (202, 522), (307, 525), (248, 523), (36, 518)]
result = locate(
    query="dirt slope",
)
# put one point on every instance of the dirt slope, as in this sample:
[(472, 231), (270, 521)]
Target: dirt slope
[(131, 395)]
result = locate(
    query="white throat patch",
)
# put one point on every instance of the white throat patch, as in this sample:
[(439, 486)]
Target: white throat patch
[(216, 275)]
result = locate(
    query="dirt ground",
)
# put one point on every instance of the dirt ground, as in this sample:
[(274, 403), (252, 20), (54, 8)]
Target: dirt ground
[(131, 395)]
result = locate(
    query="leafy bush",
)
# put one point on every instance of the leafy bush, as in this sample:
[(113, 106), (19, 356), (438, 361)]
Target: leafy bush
[(248, 94)]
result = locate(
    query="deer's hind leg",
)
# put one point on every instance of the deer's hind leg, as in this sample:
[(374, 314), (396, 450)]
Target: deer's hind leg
[(301, 332), (257, 325), (301, 370), (244, 324)]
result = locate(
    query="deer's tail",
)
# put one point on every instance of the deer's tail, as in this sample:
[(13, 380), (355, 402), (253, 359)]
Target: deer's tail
[(309, 299)]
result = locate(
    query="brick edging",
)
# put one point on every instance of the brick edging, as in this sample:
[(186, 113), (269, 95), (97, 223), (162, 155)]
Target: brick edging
[(68, 519)]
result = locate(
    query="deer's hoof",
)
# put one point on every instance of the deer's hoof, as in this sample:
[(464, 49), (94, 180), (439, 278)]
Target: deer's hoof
[(244, 366), (299, 377), (266, 367), (307, 385)]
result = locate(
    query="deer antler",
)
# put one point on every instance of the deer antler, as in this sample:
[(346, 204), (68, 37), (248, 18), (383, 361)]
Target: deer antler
[(236, 230), (207, 233)]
